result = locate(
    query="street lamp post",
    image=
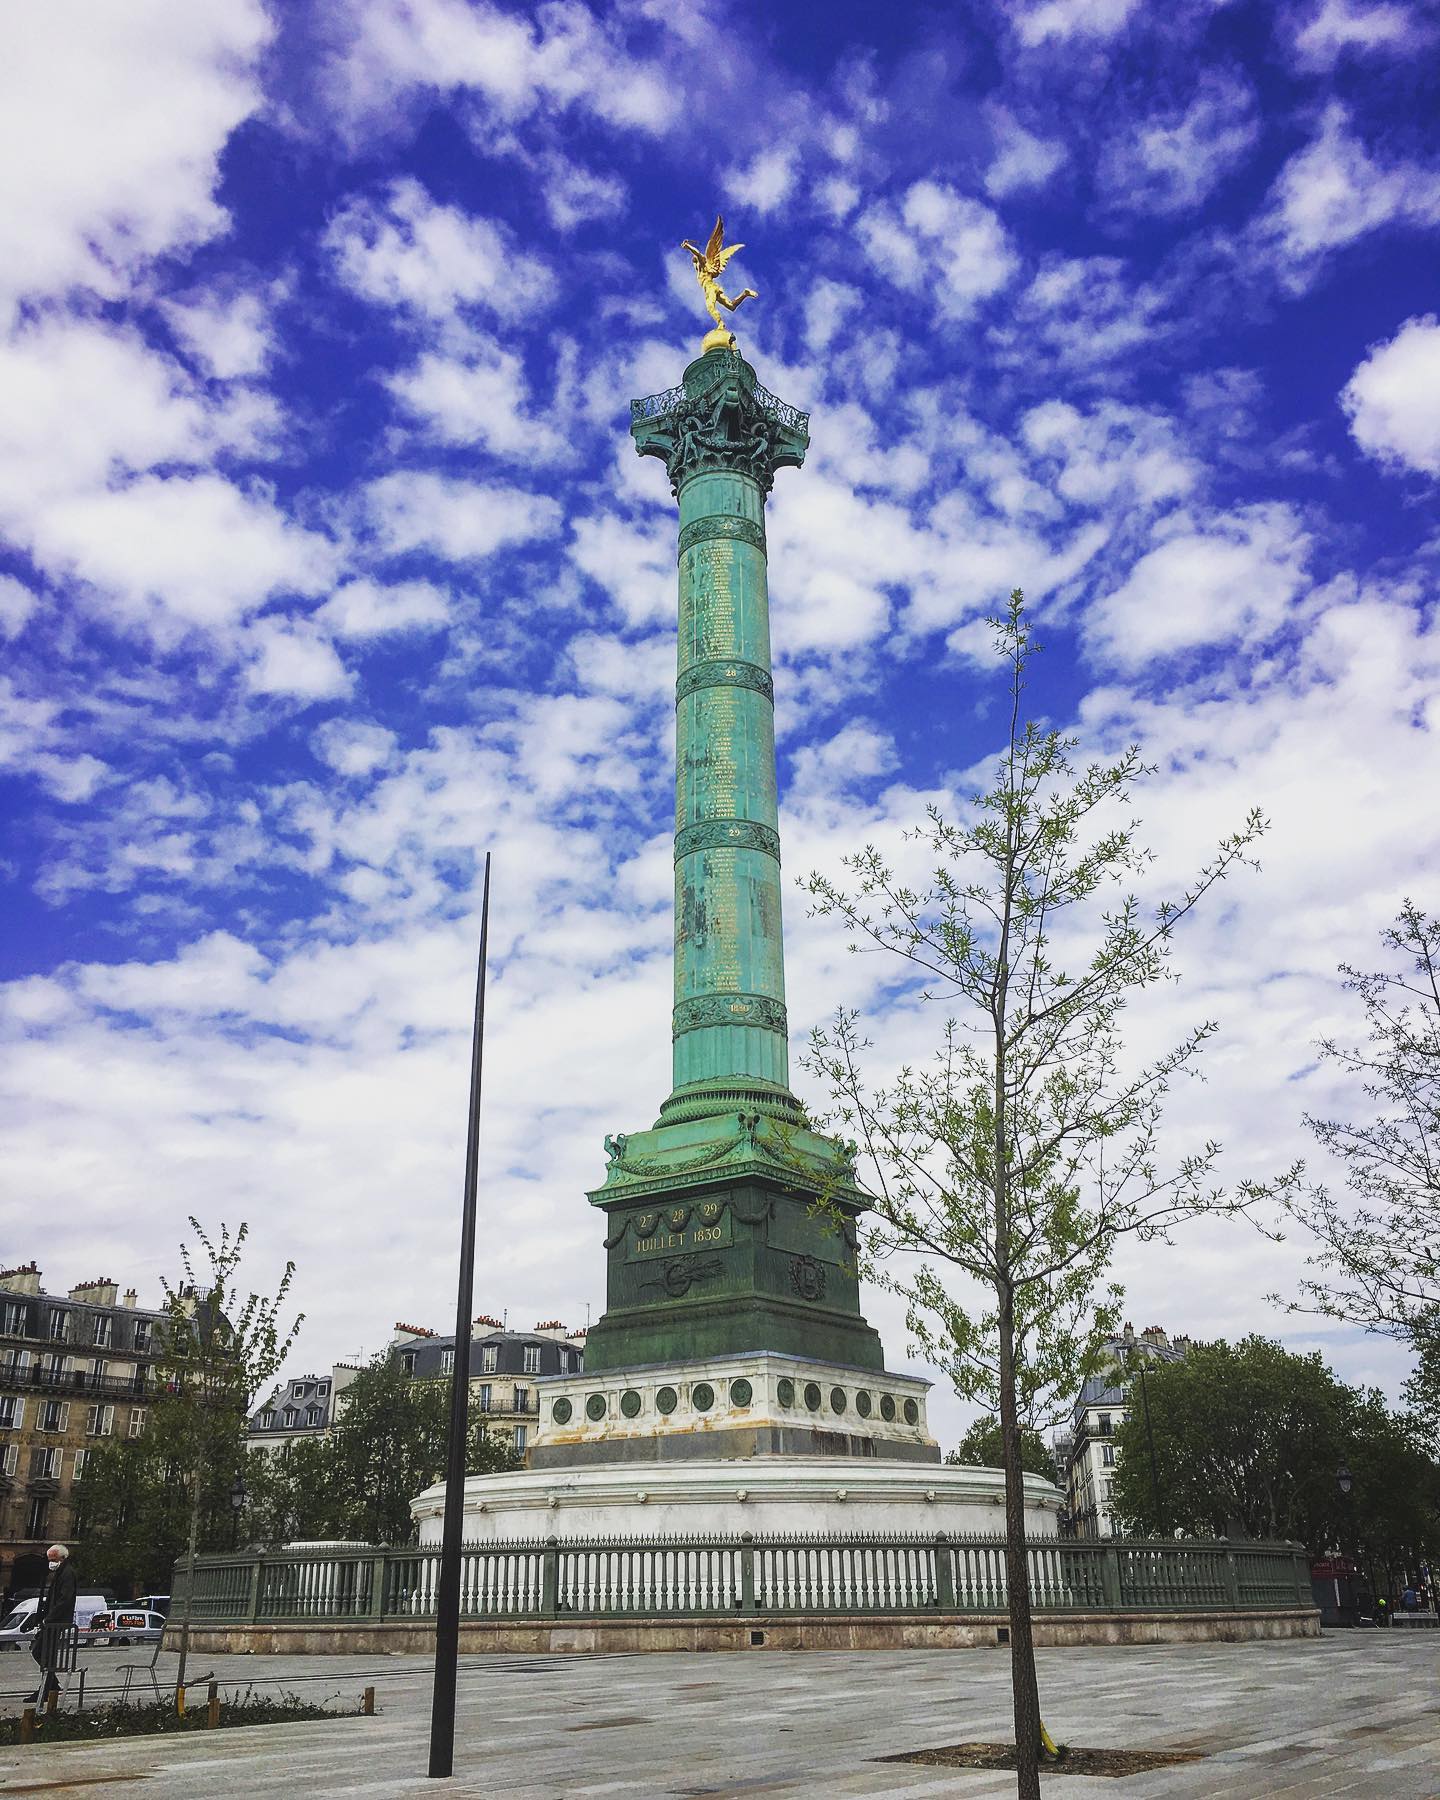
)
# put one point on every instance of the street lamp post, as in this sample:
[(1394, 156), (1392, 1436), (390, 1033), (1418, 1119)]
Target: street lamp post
[(237, 1506), (1344, 1482)]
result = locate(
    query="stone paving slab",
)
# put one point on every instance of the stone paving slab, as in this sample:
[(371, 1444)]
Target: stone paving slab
[(1353, 1714)]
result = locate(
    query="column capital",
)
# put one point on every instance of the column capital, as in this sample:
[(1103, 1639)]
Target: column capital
[(720, 418)]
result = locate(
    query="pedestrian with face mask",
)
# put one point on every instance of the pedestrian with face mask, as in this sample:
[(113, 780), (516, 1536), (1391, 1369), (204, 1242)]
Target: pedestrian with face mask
[(54, 1615)]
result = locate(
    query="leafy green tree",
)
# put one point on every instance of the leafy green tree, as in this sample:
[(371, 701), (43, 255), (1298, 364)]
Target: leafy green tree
[(983, 1447), (1249, 1440), (291, 1493), (217, 1352), (387, 1446), (1379, 1256), (1004, 1170), (1247, 1437)]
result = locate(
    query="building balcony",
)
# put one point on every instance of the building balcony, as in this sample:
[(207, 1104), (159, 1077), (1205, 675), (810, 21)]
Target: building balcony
[(75, 1381)]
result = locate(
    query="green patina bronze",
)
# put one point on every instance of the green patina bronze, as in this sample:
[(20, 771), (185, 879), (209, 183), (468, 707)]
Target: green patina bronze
[(713, 1245)]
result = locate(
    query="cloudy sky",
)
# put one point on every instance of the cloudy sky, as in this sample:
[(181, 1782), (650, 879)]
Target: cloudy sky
[(327, 565)]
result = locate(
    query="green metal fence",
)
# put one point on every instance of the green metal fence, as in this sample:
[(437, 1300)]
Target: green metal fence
[(746, 1576)]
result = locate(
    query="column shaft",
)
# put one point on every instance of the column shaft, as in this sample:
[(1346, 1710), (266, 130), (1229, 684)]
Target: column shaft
[(729, 1017)]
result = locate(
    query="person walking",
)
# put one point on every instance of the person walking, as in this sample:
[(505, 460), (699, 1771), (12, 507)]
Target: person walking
[(54, 1615)]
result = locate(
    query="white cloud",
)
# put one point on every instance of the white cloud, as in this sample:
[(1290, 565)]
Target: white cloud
[(1022, 160), (562, 57), (353, 746), (837, 196), (573, 194), (87, 402), (364, 608), (635, 564), (1333, 192), (408, 251), (17, 604), (642, 670), (479, 398), (829, 307), (766, 181), (292, 657), (1038, 21), (939, 242), (112, 120), (851, 759), (1110, 450), (1393, 398), (1232, 579), (1170, 162), (154, 548), (459, 520), (230, 332), (1086, 311), (1334, 26)]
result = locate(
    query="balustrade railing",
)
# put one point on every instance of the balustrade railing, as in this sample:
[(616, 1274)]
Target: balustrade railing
[(747, 1576)]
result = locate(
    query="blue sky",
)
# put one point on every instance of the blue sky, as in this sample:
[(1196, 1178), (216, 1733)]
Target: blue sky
[(327, 565)]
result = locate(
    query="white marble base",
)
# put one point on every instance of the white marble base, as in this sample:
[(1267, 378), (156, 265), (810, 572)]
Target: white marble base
[(784, 1495), (759, 1392)]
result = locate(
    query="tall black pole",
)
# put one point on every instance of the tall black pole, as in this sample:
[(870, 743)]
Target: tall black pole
[(447, 1609)]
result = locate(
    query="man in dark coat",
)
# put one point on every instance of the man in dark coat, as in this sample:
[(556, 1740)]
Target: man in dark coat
[(54, 1615)]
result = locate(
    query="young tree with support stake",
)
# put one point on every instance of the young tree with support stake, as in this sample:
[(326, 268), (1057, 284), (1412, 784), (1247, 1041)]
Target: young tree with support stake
[(1004, 1171), (217, 1353)]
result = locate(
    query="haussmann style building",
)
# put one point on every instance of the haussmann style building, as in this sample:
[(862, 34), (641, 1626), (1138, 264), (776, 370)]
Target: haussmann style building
[(76, 1369)]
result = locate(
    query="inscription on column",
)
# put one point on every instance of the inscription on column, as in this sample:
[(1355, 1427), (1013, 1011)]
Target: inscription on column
[(712, 764), (712, 600), (707, 925)]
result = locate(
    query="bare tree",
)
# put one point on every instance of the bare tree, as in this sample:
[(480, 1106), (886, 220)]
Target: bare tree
[(1005, 1169)]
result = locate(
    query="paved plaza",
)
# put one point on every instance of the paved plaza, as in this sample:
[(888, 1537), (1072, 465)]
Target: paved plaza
[(1350, 1714)]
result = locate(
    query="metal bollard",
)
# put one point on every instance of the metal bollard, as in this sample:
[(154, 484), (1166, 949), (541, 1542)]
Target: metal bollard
[(367, 1703)]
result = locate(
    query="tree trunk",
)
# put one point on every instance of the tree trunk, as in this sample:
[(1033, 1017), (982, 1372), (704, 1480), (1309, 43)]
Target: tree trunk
[(1023, 1684), (190, 1548)]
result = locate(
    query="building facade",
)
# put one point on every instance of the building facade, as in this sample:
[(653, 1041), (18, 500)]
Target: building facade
[(505, 1368), (307, 1406), (1088, 1453), (75, 1370)]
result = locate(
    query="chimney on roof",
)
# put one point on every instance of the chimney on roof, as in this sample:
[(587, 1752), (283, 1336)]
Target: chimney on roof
[(129, 1298), (1154, 1334), (101, 1292), (22, 1280)]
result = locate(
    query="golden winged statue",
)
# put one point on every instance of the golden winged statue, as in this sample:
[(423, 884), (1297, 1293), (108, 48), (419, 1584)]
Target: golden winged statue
[(709, 267)]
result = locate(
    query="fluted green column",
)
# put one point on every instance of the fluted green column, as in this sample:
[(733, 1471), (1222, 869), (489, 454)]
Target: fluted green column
[(722, 438), (714, 1244)]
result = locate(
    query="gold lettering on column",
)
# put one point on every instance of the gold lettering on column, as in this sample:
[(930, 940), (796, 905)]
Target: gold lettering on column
[(711, 625)]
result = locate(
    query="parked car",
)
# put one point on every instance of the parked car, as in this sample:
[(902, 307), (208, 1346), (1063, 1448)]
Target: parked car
[(156, 1602), (127, 1625), (16, 1629)]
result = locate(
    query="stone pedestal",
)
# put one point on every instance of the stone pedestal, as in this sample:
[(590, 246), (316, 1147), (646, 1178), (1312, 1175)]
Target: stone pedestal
[(748, 1406), (781, 1497)]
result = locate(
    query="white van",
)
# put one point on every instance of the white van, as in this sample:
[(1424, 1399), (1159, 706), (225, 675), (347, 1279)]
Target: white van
[(17, 1629)]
